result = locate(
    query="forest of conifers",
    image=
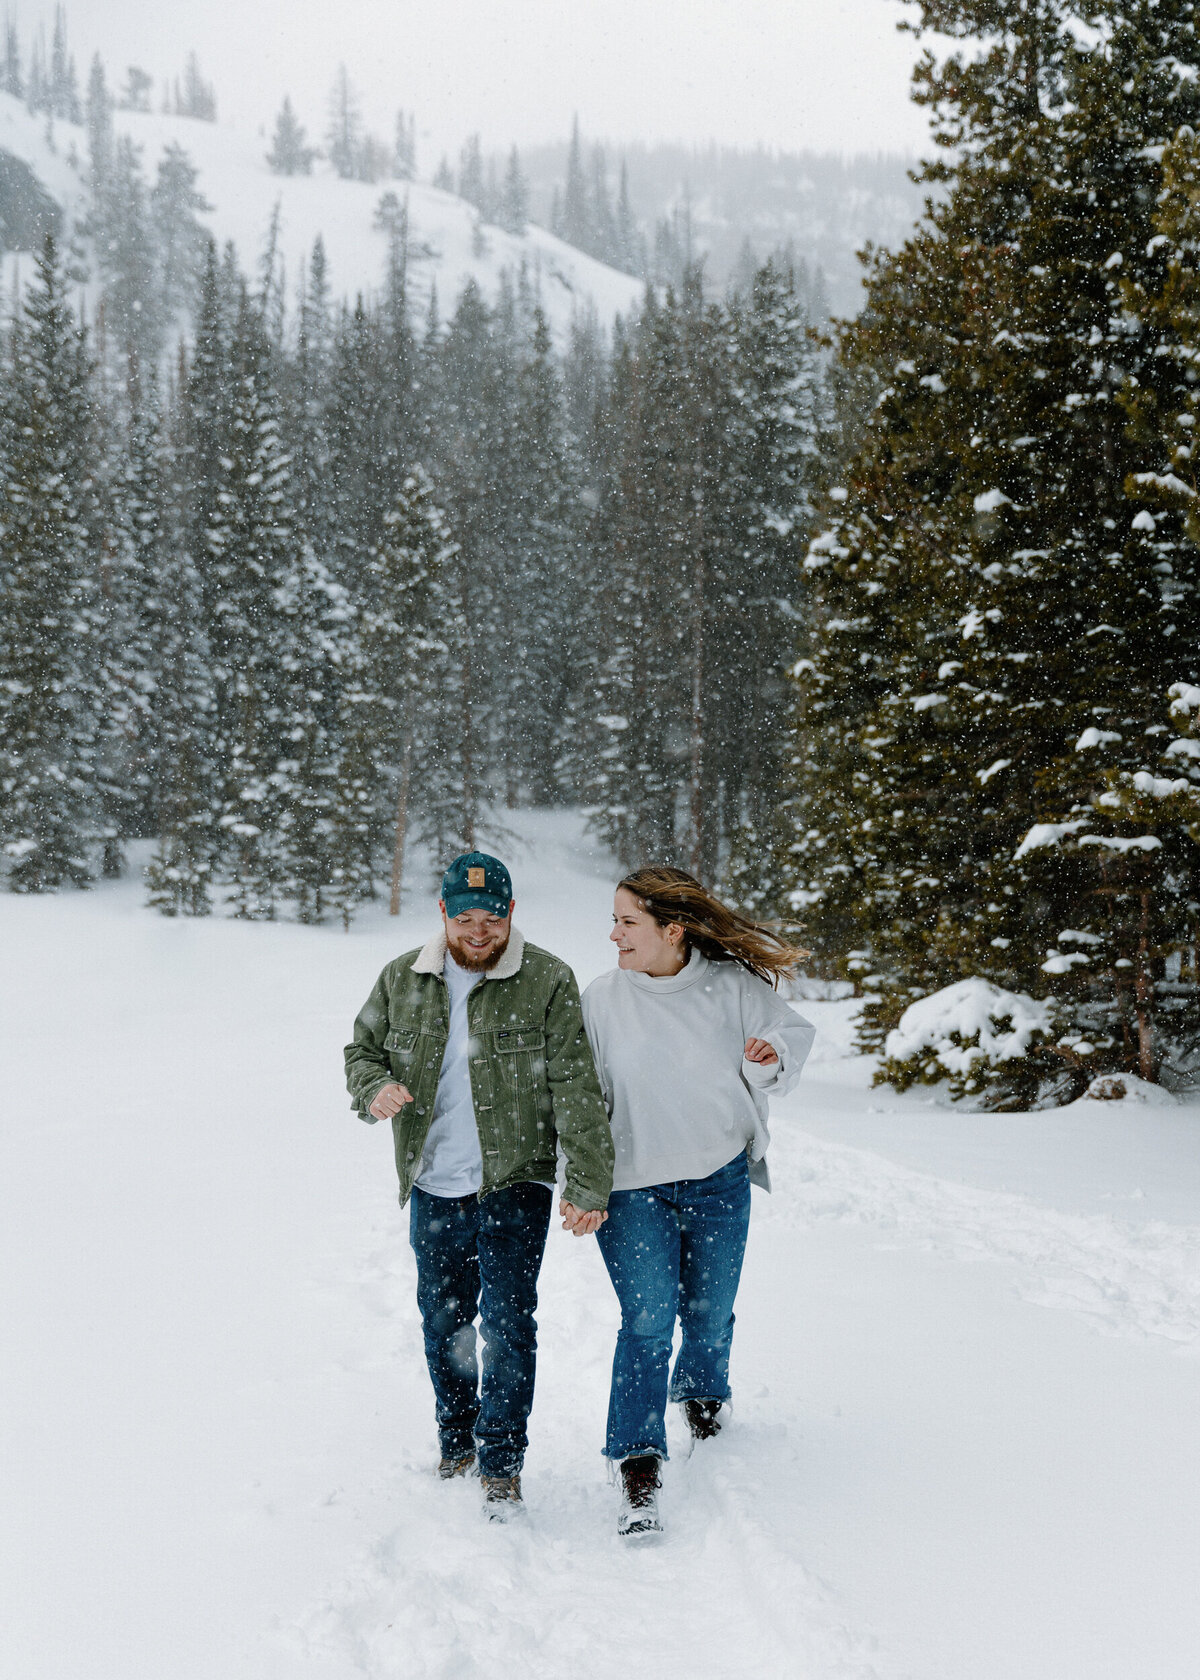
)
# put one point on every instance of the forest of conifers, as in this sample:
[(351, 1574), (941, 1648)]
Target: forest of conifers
[(896, 640)]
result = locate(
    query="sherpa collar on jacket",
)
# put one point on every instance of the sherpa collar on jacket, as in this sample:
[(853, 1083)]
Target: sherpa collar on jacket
[(432, 957)]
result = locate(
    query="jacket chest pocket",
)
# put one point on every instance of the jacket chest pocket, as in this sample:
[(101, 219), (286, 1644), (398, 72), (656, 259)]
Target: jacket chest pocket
[(521, 1055), (403, 1053)]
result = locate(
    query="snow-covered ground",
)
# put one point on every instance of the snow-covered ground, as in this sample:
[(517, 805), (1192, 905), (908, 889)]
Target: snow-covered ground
[(964, 1443), (234, 178)]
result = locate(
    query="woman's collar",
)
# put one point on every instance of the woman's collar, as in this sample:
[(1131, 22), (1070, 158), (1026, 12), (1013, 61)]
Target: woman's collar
[(691, 971)]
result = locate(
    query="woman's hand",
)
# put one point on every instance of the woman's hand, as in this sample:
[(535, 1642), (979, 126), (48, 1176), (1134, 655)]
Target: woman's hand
[(582, 1221), (758, 1050)]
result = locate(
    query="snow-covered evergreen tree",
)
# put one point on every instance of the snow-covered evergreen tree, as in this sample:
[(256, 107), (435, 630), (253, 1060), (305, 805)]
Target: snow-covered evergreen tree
[(11, 76), (391, 769), (783, 435), (180, 240), (251, 552), (122, 236), (513, 211), (289, 155), (184, 787), (983, 594), (404, 154), (48, 799), (313, 639), (344, 135), (195, 97)]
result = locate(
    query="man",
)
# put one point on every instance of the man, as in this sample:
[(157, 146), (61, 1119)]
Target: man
[(473, 1047)]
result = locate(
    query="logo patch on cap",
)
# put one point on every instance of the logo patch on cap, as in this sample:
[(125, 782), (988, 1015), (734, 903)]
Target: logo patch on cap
[(476, 877)]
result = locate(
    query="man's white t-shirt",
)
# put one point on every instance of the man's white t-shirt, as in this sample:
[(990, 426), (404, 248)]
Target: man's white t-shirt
[(451, 1162)]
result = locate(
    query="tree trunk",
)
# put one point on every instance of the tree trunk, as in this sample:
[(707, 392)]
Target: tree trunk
[(468, 767), (697, 740), (1144, 994), (401, 826)]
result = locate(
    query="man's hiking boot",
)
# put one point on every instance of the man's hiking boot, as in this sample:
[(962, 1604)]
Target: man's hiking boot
[(460, 1464), (639, 1496), (502, 1497), (703, 1418)]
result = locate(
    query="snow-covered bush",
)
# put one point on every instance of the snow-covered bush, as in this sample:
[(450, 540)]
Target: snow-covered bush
[(983, 1039)]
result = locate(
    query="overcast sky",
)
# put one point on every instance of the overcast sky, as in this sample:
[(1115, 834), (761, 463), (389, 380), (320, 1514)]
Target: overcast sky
[(828, 74)]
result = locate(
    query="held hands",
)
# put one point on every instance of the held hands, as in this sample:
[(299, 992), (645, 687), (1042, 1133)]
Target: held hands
[(390, 1101), (758, 1050), (580, 1220)]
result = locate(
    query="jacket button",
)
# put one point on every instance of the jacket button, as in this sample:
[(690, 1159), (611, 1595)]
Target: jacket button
[(409, 1156), (420, 1110)]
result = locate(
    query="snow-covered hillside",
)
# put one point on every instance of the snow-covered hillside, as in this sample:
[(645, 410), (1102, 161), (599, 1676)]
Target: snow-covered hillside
[(964, 1440), (235, 180)]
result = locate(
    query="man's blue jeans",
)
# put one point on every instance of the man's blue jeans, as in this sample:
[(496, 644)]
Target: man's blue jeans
[(672, 1250), (481, 1255)]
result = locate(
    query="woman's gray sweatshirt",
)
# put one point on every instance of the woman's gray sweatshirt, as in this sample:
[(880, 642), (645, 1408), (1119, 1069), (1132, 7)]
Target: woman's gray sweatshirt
[(682, 1098)]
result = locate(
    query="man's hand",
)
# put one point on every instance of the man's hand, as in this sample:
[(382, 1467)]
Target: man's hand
[(758, 1050), (390, 1101), (580, 1220)]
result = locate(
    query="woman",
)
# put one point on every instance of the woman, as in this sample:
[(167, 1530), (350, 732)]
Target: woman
[(689, 1038)]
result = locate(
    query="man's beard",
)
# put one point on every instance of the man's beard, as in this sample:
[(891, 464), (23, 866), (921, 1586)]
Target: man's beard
[(472, 963)]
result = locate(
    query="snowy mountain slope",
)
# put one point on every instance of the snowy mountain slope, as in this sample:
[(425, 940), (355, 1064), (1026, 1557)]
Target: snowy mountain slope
[(937, 1468), (235, 180)]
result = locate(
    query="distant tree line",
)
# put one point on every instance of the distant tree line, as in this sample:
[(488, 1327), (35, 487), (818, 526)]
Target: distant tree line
[(46, 79)]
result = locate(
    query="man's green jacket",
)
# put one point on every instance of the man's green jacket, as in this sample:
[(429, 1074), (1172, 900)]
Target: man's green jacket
[(533, 1080)]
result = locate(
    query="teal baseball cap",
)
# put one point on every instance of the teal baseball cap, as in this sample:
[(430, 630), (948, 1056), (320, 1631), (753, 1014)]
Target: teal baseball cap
[(476, 881)]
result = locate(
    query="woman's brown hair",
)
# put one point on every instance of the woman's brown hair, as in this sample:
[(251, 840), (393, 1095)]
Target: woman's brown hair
[(716, 931)]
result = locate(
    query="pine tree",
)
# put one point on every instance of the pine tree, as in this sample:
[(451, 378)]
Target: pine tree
[(132, 506), (123, 240), (602, 234), (289, 155), (1126, 863), (138, 86), (981, 596), (470, 174), (205, 409), (361, 468), (197, 97), (11, 78), (99, 130), (181, 769), (545, 479), (629, 253), (48, 803), (513, 215), (305, 392), (641, 725), (37, 83), (467, 414), (784, 433), (251, 550), (63, 92), (344, 135), (180, 239), (392, 704), (404, 151), (313, 640), (574, 220)]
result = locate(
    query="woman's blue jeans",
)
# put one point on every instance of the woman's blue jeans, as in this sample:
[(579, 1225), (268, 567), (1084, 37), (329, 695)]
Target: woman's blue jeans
[(673, 1250)]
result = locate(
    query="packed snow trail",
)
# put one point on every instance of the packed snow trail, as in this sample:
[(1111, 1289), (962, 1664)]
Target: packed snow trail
[(557, 1587), (214, 1374)]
